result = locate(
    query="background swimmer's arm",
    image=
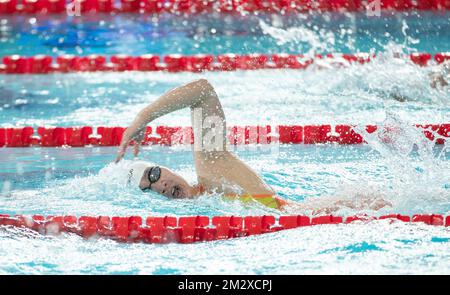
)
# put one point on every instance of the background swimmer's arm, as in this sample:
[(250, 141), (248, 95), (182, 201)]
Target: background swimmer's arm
[(438, 79), (197, 94)]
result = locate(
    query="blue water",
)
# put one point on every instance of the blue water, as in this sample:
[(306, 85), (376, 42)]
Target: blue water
[(410, 173), (215, 34), (356, 95), (67, 181)]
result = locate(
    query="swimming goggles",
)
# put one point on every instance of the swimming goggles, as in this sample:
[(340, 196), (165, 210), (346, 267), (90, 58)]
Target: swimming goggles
[(153, 176)]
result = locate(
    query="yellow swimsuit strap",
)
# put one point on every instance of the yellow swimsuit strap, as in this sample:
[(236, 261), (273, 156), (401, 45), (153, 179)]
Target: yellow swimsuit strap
[(268, 200)]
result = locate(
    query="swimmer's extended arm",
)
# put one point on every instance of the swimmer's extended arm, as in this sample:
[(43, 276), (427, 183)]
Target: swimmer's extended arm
[(215, 165), (197, 94), (330, 205)]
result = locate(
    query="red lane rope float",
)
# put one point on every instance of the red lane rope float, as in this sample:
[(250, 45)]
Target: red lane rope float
[(236, 135), (222, 6), (42, 64), (189, 229)]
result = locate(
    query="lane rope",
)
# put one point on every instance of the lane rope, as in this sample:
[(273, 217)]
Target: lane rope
[(236, 135), (208, 6), (174, 63), (189, 229)]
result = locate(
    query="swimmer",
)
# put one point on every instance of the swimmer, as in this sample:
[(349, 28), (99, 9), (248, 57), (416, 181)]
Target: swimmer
[(441, 78), (218, 169)]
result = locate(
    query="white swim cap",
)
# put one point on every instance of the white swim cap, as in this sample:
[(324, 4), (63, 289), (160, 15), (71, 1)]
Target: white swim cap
[(136, 172), (125, 173)]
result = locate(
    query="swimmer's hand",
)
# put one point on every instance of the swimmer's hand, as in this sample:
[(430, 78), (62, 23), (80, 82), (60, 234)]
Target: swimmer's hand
[(135, 132)]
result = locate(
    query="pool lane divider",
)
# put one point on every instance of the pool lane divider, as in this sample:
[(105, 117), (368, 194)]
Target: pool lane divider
[(43, 64), (209, 6), (236, 135), (190, 229)]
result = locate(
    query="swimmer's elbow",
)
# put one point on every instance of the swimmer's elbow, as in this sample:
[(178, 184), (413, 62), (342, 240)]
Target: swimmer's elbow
[(203, 82), (205, 85), (206, 90)]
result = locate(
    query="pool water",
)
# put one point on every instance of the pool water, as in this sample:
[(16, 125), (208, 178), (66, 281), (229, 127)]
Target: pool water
[(76, 181), (217, 34), (410, 172), (357, 95), (67, 181)]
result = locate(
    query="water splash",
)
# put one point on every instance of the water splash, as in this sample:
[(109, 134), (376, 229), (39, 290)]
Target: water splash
[(319, 41), (418, 178), (391, 76), (408, 39)]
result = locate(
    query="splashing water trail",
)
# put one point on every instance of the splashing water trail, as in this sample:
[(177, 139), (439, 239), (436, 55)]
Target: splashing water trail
[(408, 38), (319, 41), (418, 177)]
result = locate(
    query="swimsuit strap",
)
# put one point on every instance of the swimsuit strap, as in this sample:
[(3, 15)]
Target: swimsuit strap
[(269, 200)]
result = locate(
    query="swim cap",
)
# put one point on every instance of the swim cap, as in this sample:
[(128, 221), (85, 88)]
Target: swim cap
[(126, 173), (136, 172)]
